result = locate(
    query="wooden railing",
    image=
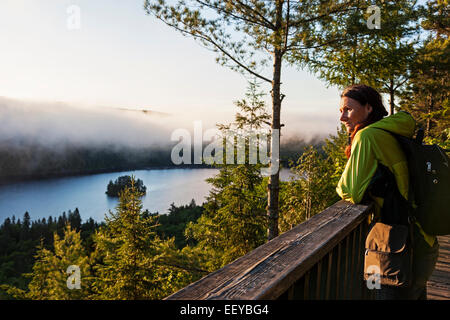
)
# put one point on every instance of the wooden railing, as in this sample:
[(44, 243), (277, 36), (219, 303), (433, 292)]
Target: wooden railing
[(321, 258)]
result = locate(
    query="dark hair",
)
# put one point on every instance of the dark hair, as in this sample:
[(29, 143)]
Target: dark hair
[(365, 95)]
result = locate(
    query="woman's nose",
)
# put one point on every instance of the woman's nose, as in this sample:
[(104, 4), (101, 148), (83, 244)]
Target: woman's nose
[(343, 116)]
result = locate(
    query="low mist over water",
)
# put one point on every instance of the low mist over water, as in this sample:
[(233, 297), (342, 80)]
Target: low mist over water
[(75, 148), (50, 139)]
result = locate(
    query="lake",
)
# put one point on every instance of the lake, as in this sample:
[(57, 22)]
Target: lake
[(42, 198)]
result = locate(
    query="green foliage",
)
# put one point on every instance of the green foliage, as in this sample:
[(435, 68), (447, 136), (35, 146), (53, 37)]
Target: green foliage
[(19, 240), (247, 35), (38, 287), (352, 53), (131, 258), (316, 176), (250, 35), (134, 257), (427, 94), (49, 277), (234, 220), (253, 108), (34, 259), (115, 188), (309, 193), (174, 223), (334, 150)]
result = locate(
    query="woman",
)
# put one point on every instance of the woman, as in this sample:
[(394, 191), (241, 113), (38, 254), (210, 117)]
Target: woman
[(372, 149)]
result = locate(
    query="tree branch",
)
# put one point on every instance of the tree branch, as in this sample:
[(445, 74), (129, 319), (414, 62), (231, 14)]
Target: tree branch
[(315, 46), (202, 36), (183, 267), (286, 36), (269, 25), (243, 18)]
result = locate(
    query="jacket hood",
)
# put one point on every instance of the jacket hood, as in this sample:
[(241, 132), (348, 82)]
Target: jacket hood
[(401, 123)]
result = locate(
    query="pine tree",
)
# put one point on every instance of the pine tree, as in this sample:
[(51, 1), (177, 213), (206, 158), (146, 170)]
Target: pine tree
[(68, 251), (234, 221), (317, 172), (427, 95), (38, 288), (334, 150), (251, 36), (49, 277), (379, 57), (310, 193), (132, 262)]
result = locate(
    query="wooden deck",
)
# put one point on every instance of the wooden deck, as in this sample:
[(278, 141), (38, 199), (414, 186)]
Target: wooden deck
[(438, 287), (320, 259)]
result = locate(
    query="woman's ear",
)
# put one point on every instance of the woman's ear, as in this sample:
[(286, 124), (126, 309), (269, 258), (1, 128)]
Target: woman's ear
[(369, 108)]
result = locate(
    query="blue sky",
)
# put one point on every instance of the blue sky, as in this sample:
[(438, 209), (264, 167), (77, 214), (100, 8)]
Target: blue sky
[(120, 57)]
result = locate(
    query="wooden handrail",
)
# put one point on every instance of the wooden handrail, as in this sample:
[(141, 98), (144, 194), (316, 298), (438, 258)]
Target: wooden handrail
[(320, 258)]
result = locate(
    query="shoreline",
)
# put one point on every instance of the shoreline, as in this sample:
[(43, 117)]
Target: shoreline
[(5, 180), (36, 177)]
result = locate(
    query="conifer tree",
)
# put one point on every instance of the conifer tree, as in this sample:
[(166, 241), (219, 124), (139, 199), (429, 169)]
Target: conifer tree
[(49, 277), (334, 150), (38, 287), (317, 172), (255, 37), (69, 251), (377, 56), (132, 262), (234, 222), (310, 193), (427, 95)]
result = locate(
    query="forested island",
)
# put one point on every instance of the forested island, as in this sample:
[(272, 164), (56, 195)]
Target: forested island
[(121, 183)]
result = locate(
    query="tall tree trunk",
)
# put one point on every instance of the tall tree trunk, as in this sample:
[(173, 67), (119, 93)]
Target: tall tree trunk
[(273, 188), (274, 178)]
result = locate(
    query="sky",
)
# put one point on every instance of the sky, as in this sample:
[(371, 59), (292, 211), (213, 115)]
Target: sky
[(117, 56)]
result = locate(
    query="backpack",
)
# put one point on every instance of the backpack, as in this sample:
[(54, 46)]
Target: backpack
[(429, 183)]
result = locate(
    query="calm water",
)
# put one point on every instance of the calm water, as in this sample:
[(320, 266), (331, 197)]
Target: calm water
[(43, 198), (87, 193)]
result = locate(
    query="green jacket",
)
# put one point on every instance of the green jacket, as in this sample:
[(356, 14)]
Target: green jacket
[(371, 146)]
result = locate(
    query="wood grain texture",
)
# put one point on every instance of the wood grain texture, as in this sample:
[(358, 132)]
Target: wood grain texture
[(438, 287), (270, 270)]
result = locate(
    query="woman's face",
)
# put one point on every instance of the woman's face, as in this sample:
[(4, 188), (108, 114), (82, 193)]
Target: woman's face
[(353, 113)]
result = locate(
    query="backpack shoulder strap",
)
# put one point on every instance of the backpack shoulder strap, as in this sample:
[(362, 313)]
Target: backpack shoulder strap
[(401, 140)]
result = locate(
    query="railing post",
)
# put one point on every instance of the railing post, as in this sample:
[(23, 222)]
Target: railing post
[(330, 263)]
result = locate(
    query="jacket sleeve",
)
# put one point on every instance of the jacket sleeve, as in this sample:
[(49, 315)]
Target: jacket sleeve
[(359, 169)]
